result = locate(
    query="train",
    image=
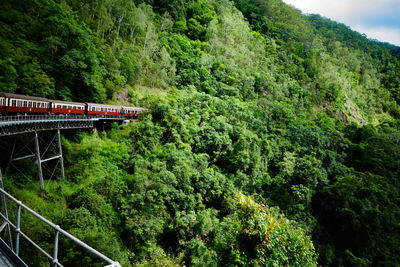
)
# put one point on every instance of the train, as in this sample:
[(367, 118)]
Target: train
[(14, 104)]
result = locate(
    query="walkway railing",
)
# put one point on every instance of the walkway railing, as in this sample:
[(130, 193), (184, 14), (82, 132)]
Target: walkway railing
[(58, 231), (57, 117)]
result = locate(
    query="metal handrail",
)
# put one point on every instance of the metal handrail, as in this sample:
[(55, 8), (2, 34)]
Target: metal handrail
[(57, 229)]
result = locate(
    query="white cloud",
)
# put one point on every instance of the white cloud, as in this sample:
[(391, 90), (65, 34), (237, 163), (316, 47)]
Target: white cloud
[(385, 34), (378, 19), (346, 10)]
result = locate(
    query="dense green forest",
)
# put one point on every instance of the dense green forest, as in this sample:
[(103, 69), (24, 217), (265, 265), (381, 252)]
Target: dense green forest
[(273, 138)]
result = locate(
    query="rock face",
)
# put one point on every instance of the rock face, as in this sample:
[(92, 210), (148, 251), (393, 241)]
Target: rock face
[(352, 111)]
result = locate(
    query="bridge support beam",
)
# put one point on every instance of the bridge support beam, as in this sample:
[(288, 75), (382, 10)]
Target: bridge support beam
[(60, 153), (39, 163), (39, 157)]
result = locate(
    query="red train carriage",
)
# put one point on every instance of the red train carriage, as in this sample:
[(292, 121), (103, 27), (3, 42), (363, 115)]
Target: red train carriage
[(24, 104), (100, 109), (13, 103), (64, 107), (132, 112)]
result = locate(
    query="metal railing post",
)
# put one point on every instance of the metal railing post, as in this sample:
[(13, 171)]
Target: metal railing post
[(18, 228), (4, 204), (55, 251)]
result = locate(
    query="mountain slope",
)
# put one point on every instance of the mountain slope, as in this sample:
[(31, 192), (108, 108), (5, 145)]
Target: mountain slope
[(256, 111)]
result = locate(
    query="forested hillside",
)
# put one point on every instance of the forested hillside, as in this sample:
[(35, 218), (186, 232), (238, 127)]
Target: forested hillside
[(273, 137)]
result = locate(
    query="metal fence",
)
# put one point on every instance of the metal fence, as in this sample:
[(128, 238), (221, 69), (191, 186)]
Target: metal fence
[(59, 117), (18, 127), (54, 258), (10, 125)]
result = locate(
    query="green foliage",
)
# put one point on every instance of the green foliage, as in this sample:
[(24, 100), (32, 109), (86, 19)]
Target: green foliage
[(258, 236)]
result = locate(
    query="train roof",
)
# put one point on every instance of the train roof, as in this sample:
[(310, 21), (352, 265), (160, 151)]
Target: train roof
[(25, 97), (134, 108), (102, 105), (67, 102)]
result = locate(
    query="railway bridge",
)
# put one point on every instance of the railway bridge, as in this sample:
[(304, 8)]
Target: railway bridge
[(34, 126)]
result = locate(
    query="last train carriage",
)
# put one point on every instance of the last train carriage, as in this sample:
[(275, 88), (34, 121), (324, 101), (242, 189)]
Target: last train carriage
[(12, 104)]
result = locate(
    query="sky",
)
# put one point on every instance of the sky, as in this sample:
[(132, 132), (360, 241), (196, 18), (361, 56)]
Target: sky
[(378, 19)]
